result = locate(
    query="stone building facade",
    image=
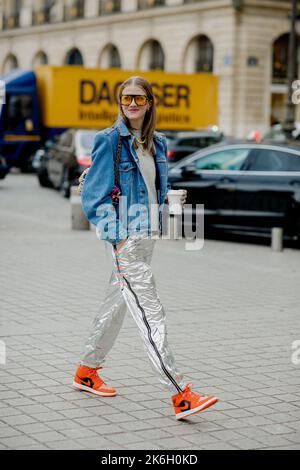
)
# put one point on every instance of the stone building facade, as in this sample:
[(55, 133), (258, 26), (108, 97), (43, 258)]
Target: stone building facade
[(244, 42)]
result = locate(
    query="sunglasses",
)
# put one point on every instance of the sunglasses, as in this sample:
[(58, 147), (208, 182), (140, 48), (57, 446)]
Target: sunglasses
[(140, 100)]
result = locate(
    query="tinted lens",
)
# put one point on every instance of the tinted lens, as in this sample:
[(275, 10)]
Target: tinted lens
[(126, 100), (140, 100)]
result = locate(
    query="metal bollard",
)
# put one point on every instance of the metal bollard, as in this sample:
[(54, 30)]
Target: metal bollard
[(277, 239), (78, 219)]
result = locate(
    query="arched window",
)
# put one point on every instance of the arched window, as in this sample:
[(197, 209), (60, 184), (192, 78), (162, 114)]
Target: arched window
[(40, 59), (152, 56), (110, 57), (199, 55), (10, 64), (74, 57), (279, 87), (280, 59)]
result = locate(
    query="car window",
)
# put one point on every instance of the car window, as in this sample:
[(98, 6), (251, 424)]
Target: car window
[(18, 108), (275, 160), (170, 140), (191, 142), (184, 142), (229, 159)]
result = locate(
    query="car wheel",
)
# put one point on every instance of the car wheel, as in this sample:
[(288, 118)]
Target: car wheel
[(43, 177)]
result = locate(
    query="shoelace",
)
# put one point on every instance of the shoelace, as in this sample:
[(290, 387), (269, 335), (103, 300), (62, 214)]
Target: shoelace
[(93, 374), (189, 387)]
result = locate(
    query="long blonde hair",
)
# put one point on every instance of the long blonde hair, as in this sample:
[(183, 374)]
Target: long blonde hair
[(149, 123)]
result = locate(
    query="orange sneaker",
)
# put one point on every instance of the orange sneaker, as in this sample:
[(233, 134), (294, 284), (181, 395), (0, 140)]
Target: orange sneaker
[(187, 402), (87, 379)]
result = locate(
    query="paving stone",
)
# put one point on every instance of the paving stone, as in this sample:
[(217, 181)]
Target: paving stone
[(66, 444), (94, 443), (33, 428), (277, 429), (8, 431), (17, 420), (18, 441), (48, 436), (172, 442), (246, 444), (91, 421)]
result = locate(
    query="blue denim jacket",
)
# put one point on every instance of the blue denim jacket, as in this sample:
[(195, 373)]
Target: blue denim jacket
[(133, 212)]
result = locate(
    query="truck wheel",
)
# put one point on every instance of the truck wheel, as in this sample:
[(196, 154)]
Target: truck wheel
[(43, 178)]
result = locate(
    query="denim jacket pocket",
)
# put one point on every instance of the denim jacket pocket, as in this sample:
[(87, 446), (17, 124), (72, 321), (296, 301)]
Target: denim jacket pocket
[(126, 175)]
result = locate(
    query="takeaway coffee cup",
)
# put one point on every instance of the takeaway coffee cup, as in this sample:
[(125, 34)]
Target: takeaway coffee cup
[(174, 196)]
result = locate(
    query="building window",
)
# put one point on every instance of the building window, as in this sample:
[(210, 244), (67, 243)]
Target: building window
[(74, 57), (199, 55), (43, 15), (110, 57), (204, 56), (40, 59), (12, 18), (74, 10), (144, 4), (151, 56), (10, 64), (107, 7), (280, 59)]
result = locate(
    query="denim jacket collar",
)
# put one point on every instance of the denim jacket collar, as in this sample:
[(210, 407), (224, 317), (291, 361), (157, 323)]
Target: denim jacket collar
[(124, 131)]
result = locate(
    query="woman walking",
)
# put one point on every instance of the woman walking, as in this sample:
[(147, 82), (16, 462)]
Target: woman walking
[(123, 194)]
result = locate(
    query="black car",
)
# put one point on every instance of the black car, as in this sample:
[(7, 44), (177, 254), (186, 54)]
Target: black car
[(63, 160), (245, 187), (181, 144)]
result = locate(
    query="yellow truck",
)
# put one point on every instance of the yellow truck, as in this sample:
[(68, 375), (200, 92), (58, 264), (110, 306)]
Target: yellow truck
[(48, 100)]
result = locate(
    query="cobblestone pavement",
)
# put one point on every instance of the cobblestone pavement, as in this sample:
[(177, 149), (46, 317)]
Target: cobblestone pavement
[(232, 314)]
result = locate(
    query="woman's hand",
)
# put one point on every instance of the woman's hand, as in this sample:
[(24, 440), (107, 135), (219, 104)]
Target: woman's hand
[(183, 197)]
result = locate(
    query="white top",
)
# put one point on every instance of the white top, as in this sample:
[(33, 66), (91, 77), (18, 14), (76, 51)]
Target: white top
[(148, 170)]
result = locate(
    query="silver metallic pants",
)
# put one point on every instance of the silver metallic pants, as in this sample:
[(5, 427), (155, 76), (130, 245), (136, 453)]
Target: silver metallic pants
[(132, 285)]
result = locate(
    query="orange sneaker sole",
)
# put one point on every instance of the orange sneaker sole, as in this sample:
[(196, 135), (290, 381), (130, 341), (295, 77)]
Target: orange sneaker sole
[(202, 407), (84, 388)]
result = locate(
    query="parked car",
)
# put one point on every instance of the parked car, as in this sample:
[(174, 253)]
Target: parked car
[(181, 144), (4, 168), (245, 187), (63, 160)]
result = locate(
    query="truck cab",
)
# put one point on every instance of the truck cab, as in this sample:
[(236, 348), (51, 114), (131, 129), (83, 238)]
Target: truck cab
[(20, 129)]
